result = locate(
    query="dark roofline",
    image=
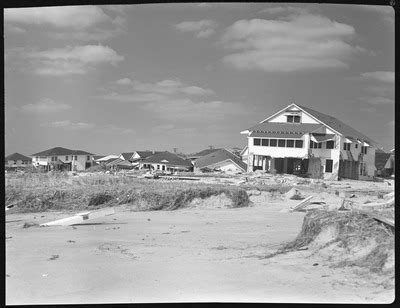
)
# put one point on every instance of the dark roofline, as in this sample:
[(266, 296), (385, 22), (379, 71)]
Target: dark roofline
[(61, 151)]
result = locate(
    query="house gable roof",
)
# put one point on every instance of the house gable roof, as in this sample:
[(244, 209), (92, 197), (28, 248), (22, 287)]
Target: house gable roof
[(204, 152), (217, 157), (145, 154), (167, 158), (17, 156), (61, 151), (380, 159), (127, 155)]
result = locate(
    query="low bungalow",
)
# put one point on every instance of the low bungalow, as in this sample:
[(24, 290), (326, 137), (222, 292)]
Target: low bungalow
[(165, 161), (17, 160), (126, 156), (195, 156), (59, 158), (222, 160)]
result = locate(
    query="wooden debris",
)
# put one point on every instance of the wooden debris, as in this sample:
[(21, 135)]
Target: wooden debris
[(301, 205), (388, 203), (80, 217), (378, 217)]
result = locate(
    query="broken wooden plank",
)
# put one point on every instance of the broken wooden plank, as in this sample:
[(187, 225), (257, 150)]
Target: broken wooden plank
[(80, 217), (378, 217), (388, 203), (301, 205)]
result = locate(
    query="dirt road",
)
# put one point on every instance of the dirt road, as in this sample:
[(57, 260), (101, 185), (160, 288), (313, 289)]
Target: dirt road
[(193, 255)]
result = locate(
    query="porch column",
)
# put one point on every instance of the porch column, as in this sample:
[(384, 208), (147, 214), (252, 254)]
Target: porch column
[(264, 162), (272, 169), (285, 165)]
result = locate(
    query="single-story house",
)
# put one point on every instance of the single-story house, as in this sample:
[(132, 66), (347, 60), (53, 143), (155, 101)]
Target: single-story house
[(17, 160), (202, 153), (166, 161), (103, 159), (384, 163), (222, 160), (60, 158), (126, 155)]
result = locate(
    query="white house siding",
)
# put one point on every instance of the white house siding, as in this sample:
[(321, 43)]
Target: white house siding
[(226, 166), (77, 165), (18, 163), (278, 151)]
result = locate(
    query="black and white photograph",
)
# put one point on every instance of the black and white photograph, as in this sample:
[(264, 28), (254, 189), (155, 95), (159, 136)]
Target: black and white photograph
[(199, 152)]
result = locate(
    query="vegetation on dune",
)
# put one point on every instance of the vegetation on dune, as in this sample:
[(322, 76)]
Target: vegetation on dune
[(60, 191)]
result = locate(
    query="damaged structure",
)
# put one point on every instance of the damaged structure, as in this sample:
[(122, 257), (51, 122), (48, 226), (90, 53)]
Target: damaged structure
[(222, 160), (299, 140)]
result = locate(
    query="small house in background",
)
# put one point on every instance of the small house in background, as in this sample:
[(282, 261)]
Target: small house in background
[(384, 163), (17, 160), (63, 159), (165, 161), (139, 156), (103, 159), (299, 140), (244, 154), (195, 156), (126, 156), (220, 160)]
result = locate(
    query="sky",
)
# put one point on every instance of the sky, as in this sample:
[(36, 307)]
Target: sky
[(119, 78)]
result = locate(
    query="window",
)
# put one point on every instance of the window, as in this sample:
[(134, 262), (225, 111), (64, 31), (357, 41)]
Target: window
[(76, 157), (272, 142), (158, 167), (363, 150), (88, 157), (281, 143), (328, 165), (66, 158), (15, 162), (299, 143), (346, 146), (315, 145), (356, 146), (265, 142), (293, 119), (330, 144), (290, 143), (257, 141)]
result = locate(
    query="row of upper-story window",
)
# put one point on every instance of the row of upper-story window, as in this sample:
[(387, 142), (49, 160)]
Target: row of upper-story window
[(55, 158), (347, 147), (292, 143)]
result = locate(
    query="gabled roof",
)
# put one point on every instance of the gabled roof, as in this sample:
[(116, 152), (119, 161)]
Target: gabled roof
[(61, 151), (284, 128), (203, 153), (217, 157), (167, 158), (380, 159), (17, 156), (127, 155), (144, 154), (337, 125)]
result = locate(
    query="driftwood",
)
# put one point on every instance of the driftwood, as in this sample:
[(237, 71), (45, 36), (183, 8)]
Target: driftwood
[(80, 217), (378, 217), (301, 205), (388, 203)]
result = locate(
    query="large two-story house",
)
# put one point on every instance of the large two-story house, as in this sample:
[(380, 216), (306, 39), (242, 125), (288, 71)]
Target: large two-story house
[(59, 158), (300, 140)]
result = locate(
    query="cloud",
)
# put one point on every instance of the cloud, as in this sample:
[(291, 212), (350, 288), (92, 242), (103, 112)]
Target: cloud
[(45, 105), (169, 87), (13, 29), (170, 129), (202, 28), (67, 124), (77, 17), (72, 60), (298, 42), (379, 76), (112, 128), (187, 109), (124, 82), (284, 9), (132, 97), (377, 100)]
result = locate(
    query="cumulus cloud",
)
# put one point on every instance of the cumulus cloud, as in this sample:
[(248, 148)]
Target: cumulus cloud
[(170, 129), (297, 42), (132, 97), (379, 76), (67, 124), (72, 60), (124, 82), (45, 105), (202, 28), (384, 12), (284, 9), (77, 17), (170, 86)]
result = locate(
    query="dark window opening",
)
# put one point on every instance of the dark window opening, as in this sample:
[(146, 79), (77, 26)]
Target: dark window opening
[(281, 143), (293, 119), (346, 146), (330, 144), (290, 143), (272, 142), (299, 144), (257, 141), (328, 165), (265, 142)]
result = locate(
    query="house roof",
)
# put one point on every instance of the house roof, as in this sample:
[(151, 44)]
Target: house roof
[(338, 125), (61, 151), (127, 155), (167, 158), (144, 154), (95, 157), (381, 159), (284, 128), (217, 157), (17, 156), (204, 152)]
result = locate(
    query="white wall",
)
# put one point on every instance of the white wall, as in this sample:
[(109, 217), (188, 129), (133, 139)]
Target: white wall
[(77, 165), (278, 151), (281, 118)]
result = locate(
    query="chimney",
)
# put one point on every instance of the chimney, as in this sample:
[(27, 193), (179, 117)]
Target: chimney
[(175, 150)]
